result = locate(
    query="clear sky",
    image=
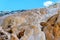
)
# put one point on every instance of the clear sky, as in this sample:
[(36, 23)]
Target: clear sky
[(22, 4)]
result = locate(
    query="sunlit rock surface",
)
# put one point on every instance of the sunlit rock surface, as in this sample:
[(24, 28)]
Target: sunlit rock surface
[(26, 23)]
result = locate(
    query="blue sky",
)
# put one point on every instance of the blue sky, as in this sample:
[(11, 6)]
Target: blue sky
[(9, 5)]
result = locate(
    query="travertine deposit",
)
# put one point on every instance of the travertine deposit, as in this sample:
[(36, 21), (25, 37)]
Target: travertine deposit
[(35, 24)]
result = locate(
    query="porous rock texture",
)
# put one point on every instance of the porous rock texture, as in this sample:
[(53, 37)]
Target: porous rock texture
[(25, 25)]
